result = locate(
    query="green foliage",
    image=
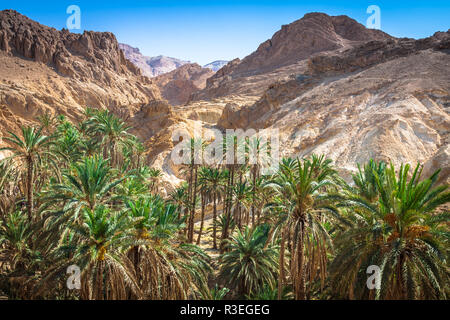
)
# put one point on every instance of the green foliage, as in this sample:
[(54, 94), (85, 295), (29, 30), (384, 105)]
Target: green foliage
[(81, 194), (399, 231), (248, 263)]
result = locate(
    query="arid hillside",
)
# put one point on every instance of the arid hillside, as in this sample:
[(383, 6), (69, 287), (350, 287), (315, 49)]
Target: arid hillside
[(178, 85), (285, 53), (151, 66), (328, 84), (43, 70), (348, 92)]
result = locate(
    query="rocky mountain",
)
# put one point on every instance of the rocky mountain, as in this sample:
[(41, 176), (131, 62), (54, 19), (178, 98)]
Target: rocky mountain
[(285, 53), (216, 65), (330, 86), (327, 84), (178, 85), (58, 72), (151, 66)]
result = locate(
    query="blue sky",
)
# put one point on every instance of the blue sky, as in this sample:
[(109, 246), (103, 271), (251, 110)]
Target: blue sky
[(203, 31)]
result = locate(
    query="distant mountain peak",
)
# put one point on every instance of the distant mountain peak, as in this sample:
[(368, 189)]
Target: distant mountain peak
[(151, 66), (216, 65)]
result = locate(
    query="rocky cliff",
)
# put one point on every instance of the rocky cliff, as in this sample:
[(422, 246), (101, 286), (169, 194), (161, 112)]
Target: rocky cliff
[(216, 65), (331, 86), (386, 100), (46, 70), (178, 86), (286, 52), (328, 84), (151, 66)]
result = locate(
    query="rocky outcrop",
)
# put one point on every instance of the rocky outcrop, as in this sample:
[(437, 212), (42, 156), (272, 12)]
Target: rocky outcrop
[(396, 111), (99, 50), (327, 84), (216, 65), (58, 72), (178, 86), (374, 52), (151, 66), (277, 58)]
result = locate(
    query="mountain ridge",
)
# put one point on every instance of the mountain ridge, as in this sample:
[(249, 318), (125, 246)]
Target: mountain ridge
[(43, 70), (353, 95), (151, 66)]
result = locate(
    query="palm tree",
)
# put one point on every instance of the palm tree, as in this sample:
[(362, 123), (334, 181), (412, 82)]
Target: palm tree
[(114, 135), (68, 142), (134, 185), (249, 264), (47, 123), (366, 180), (194, 159), (399, 230), (30, 149), (216, 293), (16, 255), (203, 201), (262, 195), (89, 185), (164, 269), (242, 194), (301, 187), (179, 197), (14, 246), (107, 273), (8, 187), (232, 142), (212, 183), (269, 293), (155, 177), (257, 151)]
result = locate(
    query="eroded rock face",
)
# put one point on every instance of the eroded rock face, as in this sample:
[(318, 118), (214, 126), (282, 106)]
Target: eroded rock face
[(151, 66), (394, 111), (216, 65), (359, 95), (277, 58), (328, 85), (374, 52), (46, 70), (24, 37), (178, 86)]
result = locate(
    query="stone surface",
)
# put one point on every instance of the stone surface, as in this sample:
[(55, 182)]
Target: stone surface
[(177, 86), (151, 66), (216, 65), (328, 84), (285, 53), (46, 70)]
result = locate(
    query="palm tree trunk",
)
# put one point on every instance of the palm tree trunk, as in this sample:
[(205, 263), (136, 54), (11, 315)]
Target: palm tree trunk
[(215, 221), (194, 199), (202, 219), (99, 281), (253, 195), (281, 273), (226, 200), (228, 213), (300, 293), (401, 279), (258, 219), (30, 187), (239, 216), (136, 262)]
